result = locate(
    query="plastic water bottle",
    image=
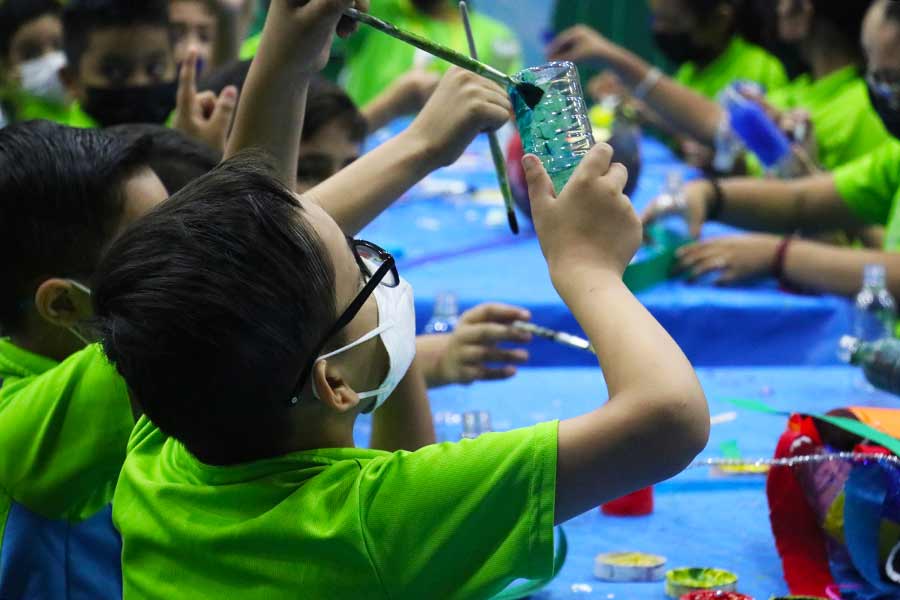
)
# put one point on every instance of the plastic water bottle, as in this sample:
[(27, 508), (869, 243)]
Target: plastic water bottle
[(674, 204), (557, 130), (446, 314), (750, 124), (448, 425), (876, 310), (476, 423), (880, 361)]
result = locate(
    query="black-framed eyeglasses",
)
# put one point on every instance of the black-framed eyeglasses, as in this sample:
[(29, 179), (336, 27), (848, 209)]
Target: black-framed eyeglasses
[(378, 268), (888, 89)]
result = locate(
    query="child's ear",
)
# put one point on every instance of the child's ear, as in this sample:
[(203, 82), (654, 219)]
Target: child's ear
[(59, 302), (332, 389)]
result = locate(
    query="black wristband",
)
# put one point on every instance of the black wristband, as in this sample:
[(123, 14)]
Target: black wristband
[(714, 211)]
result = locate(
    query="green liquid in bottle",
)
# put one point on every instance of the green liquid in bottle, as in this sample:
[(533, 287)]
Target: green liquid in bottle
[(557, 130)]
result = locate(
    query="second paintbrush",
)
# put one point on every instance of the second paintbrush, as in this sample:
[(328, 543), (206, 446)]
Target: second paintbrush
[(560, 337)]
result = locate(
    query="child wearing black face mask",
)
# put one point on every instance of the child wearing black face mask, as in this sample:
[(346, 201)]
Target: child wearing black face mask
[(707, 40), (121, 65)]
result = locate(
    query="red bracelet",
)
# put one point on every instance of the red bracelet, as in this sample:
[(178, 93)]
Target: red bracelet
[(780, 259)]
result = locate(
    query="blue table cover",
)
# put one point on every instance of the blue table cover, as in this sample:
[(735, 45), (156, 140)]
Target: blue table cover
[(450, 234), (700, 519)]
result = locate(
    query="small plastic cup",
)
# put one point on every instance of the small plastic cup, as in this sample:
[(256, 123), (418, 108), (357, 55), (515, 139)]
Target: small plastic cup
[(638, 504)]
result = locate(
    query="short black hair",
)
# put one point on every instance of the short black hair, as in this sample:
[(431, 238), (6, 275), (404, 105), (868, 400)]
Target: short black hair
[(210, 305), (61, 199), (16, 13), (83, 17), (175, 157), (326, 102)]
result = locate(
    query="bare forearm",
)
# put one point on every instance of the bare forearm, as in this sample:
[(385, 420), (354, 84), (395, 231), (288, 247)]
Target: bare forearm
[(811, 204), (656, 419), (635, 352), (405, 422), (836, 270), (681, 108), (362, 191), (271, 110), (429, 350)]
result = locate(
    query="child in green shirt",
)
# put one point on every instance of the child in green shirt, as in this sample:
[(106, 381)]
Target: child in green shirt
[(704, 39), (31, 58), (64, 413), (121, 64), (863, 192), (834, 93), (253, 332)]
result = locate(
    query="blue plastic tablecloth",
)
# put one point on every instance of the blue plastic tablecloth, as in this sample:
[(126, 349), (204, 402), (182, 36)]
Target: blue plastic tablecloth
[(450, 234), (700, 519)]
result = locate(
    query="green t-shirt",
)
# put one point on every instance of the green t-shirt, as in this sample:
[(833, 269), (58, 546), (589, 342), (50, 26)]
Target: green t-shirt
[(871, 188), (451, 520), (375, 60), (846, 125), (64, 428), (31, 108), (740, 61)]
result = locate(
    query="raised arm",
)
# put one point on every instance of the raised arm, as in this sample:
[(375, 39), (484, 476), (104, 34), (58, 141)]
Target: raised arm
[(656, 419), (463, 106), (295, 44), (683, 109)]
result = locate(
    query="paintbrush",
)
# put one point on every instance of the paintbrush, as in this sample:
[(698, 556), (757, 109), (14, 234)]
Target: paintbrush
[(566, 339), (530, 93), (496, 150)]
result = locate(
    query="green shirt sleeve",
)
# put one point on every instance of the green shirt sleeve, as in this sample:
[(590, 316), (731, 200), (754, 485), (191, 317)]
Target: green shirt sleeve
[(63, 436), (870, 184), (462, 520)]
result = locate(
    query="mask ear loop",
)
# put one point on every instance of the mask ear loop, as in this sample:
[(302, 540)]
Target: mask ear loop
[(86, 290), (295, 400)]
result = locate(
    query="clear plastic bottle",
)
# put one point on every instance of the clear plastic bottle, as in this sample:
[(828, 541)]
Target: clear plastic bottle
[(558, 129), (875, 316), (446, 314), (674, 226), (880, 361), (448, 425)]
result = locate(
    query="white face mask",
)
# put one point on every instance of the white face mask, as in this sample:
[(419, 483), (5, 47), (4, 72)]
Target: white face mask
[(397, 328), (40, 77)]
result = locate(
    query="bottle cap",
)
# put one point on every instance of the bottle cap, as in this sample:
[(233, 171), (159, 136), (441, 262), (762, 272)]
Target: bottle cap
[(446, 304), (849, 346), (874, 275)]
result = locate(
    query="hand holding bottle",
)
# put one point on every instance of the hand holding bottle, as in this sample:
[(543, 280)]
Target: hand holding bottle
[(698, 197), (591, 226)]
